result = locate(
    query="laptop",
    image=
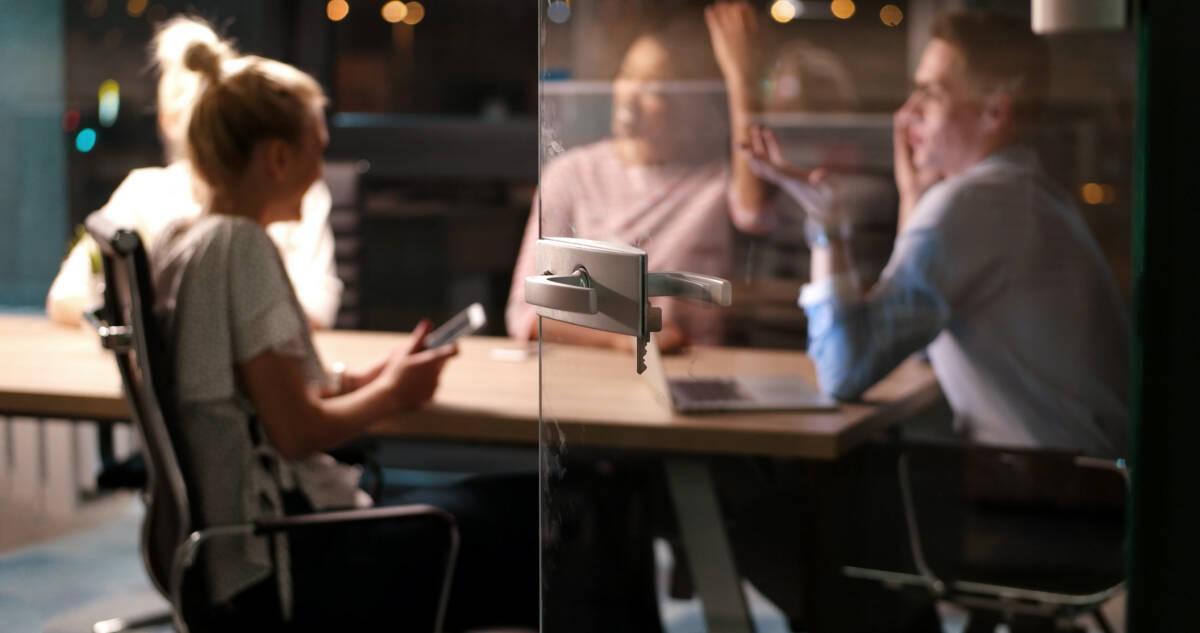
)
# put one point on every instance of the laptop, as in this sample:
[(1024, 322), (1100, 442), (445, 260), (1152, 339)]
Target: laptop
[(712, 394)]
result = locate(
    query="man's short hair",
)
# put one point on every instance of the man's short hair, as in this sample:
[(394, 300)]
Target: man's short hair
[(1001, 53)]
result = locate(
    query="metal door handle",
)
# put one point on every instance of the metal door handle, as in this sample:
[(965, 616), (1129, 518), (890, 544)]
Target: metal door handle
[(569, 293), (690, 286), (605, 286)]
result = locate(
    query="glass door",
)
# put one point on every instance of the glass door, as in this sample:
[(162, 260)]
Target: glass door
[(802, 272)]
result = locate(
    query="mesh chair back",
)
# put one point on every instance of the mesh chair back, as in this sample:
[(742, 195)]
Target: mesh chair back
[(130, 329)]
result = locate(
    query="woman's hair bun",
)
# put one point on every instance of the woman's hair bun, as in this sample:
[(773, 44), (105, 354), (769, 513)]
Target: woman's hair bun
[(203, 58)]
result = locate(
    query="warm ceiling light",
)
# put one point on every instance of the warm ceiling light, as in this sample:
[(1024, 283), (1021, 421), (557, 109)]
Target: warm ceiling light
[(337, 10), (135, 8), (842, 9), (782, 11), (891, 15), (394, 11), (416, 13), (1092, 193)]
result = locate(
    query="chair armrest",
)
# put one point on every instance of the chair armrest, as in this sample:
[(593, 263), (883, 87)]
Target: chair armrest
[(345, 517), (286, 524), (185, 554)]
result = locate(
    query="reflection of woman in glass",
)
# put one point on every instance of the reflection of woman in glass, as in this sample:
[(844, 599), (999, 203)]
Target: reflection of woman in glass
[(662, 182), (150, 198)]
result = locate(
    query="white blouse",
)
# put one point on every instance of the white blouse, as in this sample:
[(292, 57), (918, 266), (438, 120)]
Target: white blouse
[(151, 198)]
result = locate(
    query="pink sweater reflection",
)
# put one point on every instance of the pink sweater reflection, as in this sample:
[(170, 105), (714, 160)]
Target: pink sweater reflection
[(681, 215)]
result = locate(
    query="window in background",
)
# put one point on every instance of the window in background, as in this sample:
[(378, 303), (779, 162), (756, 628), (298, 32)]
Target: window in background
[(32, 165), (462, 57)]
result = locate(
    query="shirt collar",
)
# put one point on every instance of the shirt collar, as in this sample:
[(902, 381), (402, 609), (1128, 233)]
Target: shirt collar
[(1009, 156)]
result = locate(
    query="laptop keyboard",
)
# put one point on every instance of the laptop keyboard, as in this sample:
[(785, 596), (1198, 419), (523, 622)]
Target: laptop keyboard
[(708, 389)]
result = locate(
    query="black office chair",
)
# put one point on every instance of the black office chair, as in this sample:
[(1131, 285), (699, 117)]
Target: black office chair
[(172, 531), (1032, 537)]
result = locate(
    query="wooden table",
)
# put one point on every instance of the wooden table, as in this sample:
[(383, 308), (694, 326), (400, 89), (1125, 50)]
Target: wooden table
[(592, 397)]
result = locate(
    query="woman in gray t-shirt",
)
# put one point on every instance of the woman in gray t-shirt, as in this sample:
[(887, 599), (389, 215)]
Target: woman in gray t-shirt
[(257, 411)]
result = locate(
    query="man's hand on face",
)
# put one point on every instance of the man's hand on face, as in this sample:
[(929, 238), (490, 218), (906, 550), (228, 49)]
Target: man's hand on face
[(912, 181)]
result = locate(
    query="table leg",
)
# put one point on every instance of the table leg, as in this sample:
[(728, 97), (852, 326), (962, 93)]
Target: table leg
[(706, 546)]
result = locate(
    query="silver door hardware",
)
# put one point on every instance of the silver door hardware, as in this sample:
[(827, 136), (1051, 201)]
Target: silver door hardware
[(605, 286), (569, 293)]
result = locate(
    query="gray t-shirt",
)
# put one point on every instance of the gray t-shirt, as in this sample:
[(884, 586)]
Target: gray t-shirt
[(224, 295)]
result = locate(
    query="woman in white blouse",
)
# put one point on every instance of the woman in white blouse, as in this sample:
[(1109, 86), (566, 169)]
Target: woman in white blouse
[(152, 197)]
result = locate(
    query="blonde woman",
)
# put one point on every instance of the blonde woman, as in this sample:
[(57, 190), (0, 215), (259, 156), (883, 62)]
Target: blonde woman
[(150, 198), (256, 410)]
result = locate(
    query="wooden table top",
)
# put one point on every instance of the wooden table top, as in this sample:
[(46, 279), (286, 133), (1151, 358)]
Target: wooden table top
[(593, 396)]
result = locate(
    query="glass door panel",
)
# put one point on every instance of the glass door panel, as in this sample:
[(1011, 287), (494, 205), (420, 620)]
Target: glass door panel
[(950, 191)]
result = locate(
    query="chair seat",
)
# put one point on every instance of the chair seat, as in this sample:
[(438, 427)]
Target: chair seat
[(1040, 552)]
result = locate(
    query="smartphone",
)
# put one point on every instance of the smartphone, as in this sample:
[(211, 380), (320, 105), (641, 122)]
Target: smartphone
[(468, 321)]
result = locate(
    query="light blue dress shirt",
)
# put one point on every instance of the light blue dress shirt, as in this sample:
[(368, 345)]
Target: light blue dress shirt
[(997, 275)]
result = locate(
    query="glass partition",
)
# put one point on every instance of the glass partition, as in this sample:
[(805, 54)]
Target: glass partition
[(923, 215)]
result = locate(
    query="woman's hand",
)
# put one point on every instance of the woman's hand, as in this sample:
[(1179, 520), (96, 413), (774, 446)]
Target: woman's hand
[(732, 27), (413, 373), (299, 419), (671, 339), (811, 188)]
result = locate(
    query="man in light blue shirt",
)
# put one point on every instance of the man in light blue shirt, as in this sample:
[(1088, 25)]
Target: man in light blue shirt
[(993, 271)]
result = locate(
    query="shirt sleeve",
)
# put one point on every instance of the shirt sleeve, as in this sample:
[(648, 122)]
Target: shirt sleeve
[(855, 342), (950, 256), (263, 311), (71, 285)]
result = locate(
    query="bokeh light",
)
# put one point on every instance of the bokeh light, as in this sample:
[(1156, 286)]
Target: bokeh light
[(783, 11), (559, 11), (394, 11), (1094, 193), (135, 8), (110, 102), (842, 9), (891, 15), (85, 140), (337, 10), (416, 13)]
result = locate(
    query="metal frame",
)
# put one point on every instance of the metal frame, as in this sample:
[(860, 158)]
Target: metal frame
[(1002, 598), (706, 546)]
